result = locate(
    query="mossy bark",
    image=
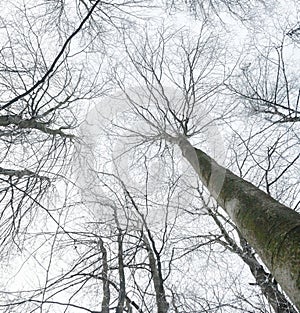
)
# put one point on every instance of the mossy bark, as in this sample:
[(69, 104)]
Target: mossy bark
[(270, 227)]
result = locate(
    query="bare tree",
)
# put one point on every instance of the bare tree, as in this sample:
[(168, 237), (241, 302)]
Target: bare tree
[(257, 216), (39, 88), (269, 85), (128, 232)]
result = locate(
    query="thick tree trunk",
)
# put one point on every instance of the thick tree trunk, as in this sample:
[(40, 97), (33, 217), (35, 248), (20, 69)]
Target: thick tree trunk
[(264, 279), (270, 227)]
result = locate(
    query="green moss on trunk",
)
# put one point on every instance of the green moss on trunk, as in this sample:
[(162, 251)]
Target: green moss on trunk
[(270, 227)]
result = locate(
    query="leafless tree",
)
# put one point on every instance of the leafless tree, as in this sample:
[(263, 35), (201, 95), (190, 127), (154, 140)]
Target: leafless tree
[(153, 66), (269, 85), (133, 229), (39, 89)]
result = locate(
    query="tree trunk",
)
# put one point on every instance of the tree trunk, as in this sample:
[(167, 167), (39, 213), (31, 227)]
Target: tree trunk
[(264, 279), (155, 266), (106, 291), (122, 293), (271, 228)]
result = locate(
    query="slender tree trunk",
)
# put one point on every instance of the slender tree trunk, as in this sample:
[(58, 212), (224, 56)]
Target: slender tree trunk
[(155, 266), (122, 293), (271, 228), (106, 291)]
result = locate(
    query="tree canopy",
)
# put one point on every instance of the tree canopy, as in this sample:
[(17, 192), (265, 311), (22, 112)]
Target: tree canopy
[(149, 156)]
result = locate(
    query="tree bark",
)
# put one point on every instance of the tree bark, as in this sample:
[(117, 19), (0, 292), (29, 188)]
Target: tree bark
[(122, 292), (264, 279), (7, 120), (271, 228), (21, 173), (155, 266), (106, 291)]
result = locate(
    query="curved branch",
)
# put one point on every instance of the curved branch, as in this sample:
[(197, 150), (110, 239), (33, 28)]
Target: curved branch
[(52, 67)]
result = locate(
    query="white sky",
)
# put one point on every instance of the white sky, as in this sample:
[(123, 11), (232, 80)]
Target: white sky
[(24, 268)]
